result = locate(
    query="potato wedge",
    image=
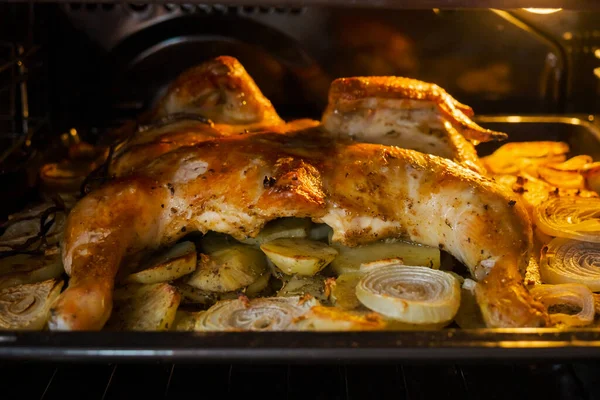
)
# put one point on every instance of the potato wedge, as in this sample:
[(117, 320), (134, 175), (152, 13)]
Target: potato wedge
[(299, 256), (331, 319), (139, 307), (282, 228), (23, 269), (185, 321), (191, 295), (229, 269), (515, 157), (343, 291), (27, 307), (302, 285), (566, 179), (350, 258), (172, 264)]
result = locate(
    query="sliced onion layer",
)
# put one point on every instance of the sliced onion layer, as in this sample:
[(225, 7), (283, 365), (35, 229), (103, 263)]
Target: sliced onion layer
[(27, 307), (570, 217), (262, 314), (571, 261), (570, 294), (411, 294)]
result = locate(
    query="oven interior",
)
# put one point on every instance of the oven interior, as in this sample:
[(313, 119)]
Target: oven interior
[(80, 69)]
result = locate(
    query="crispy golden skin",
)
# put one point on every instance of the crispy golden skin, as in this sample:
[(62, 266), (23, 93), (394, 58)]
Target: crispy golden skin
[(237, 184)]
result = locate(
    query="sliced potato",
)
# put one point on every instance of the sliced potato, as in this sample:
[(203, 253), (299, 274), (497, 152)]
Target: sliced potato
[(299, 256), (321, 318), (195, 296), (172, 264), (191, 295), (229, 269), (22, 269), (302, 285), (186, 320), (282, 228), (139, 307), (350, 258), (27, 307), (343, 291)]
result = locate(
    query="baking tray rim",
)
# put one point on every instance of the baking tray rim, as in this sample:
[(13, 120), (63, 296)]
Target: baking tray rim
[(443, 345)]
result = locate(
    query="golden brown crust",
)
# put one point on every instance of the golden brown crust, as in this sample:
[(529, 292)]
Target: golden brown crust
[(345, 92)]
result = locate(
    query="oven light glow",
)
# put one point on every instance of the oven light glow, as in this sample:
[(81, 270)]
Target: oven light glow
[(542, 10)]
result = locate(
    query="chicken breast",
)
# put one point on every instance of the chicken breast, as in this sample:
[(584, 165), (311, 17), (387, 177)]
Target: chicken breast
[(237, 184)]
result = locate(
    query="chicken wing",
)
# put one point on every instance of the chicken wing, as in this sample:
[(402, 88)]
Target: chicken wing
[(216, 98), (236, 184), (222, 91), (407, 113)]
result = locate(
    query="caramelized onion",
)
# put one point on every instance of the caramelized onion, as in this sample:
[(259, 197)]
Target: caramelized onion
[(570, 294), (263, 314), (571, 261), (570, 217), (411, 294), (27, 307)]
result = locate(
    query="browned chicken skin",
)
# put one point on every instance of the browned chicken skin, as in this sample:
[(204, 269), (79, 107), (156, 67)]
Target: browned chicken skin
[(235, 185)]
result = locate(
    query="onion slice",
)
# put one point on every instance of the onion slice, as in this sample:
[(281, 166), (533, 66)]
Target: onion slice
[(571, 261), (570, 217), (411, 294), (262, 314), (27, 307), (573, 294)]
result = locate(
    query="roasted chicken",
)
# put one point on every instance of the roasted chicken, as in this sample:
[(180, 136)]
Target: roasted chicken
[(237, 184), (194, 175)]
